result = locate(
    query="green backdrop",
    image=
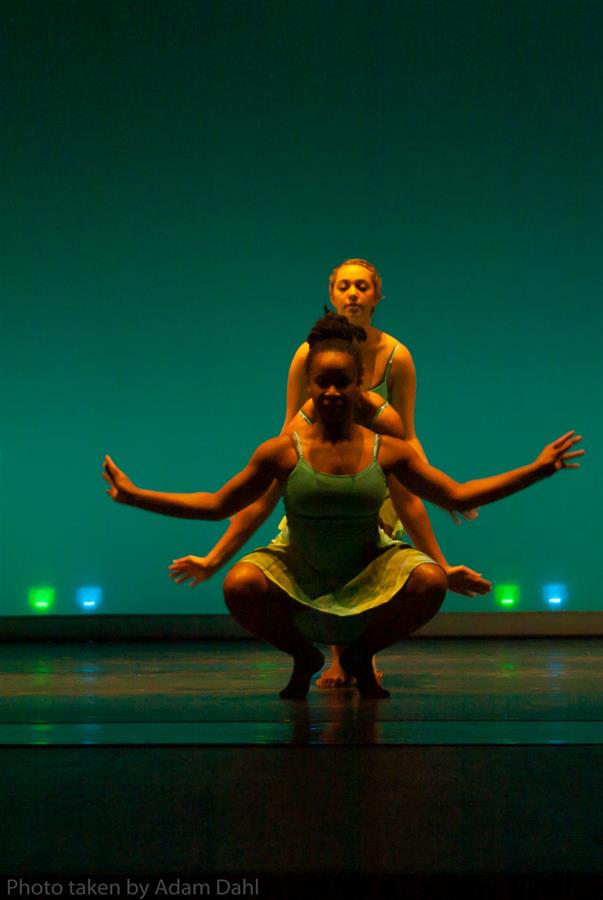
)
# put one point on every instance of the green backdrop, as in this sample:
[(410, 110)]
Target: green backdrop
[(178, 180)]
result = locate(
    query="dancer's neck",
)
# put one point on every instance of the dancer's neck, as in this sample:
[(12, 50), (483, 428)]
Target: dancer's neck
[(335, 432)]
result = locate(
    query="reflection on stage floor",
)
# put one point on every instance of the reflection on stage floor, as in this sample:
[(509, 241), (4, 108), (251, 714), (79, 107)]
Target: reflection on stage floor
[(137, 760)]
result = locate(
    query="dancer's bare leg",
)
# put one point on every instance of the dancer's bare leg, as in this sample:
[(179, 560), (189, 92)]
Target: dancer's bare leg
[(266, 611), (335, 675), (414, 605)]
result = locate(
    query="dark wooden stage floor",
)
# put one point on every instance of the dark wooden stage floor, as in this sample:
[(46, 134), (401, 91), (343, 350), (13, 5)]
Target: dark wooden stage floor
[(144, 760)]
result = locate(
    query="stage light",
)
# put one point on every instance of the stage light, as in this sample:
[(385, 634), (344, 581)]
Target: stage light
[(89, 598), (41, 598), (554, 594), (506, 595)]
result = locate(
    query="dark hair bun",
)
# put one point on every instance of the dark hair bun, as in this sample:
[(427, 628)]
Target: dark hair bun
[(335, 328)]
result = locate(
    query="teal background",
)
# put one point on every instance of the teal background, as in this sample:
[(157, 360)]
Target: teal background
[(178, 181)]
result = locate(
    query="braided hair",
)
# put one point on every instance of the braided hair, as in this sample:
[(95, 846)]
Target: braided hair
[(334, 332)]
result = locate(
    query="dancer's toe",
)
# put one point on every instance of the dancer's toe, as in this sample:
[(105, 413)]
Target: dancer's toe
[(334, 677)]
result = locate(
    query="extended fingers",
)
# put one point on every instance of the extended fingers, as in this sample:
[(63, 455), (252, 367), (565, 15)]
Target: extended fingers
[(181, 563), (479, 584), (563, 438), (470, 514), (178, 570), (180, 577), (108, 464), (566, 456), (570, 443), (182, 569)]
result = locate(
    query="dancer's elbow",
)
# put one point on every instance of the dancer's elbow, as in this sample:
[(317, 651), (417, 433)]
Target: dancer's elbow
[(456, 499), (210, 508)]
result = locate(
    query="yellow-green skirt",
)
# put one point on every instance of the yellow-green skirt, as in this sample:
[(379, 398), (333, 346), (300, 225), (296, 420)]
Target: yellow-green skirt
[(337, 614)]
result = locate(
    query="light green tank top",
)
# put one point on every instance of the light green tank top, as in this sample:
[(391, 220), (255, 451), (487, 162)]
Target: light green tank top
[(383, 387), (333, 520)]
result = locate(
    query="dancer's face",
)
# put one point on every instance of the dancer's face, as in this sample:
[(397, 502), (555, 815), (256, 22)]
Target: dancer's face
[(333, 385), (353, 293)]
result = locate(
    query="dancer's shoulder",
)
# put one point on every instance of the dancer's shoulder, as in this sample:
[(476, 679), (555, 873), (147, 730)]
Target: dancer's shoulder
[(297, 391), (301, 353), (277, 451), (394, 450), (297, 366), (367, 405), (395, 348)]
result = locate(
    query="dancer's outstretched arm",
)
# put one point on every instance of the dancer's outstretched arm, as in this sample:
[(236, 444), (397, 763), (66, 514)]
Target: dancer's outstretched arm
[(246, 522), (242, 526), (409, 507), (401, 460), (411, 511), (246, 487)]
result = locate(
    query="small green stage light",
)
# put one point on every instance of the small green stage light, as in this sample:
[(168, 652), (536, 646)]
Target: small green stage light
[(506, 595), (41, 599)]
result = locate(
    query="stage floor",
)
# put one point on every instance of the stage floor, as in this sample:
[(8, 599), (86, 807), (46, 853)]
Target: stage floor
[(145, 760), (471, 691)]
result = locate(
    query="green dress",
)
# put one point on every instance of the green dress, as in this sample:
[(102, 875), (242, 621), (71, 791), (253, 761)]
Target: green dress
[(388, 516), (334, 560)]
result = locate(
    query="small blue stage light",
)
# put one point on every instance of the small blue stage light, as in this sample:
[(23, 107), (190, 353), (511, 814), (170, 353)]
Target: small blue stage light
[(89, 598), (554, 595)]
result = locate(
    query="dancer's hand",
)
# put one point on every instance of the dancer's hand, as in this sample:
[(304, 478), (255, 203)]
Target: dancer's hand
[(555, 456), (463, 580), (120, 486), (197, 568), (468, 514)]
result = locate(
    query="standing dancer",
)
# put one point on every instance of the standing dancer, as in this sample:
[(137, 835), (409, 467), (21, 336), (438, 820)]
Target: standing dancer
[(364, 588)]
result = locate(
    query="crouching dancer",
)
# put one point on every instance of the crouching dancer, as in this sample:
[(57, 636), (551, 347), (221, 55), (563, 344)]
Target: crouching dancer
[(339, 579)]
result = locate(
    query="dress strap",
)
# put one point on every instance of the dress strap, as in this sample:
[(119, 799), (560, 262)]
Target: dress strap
[(298, 445), (376, 447), (378, 412), (389, 362), (305, 417)]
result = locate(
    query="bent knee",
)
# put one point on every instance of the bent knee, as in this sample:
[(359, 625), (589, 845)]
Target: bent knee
[(429, 579), (243, 582)]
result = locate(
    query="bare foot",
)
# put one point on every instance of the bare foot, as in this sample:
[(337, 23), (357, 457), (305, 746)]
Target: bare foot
[(304, 667), (365, 676), (334, 677), (378, 674)]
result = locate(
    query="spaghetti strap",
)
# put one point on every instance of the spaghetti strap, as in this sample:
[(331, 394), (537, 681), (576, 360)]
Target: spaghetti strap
[(382, 387), (305, 417), (389, 362), (376, 447), (298, 445), (378, 412)]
